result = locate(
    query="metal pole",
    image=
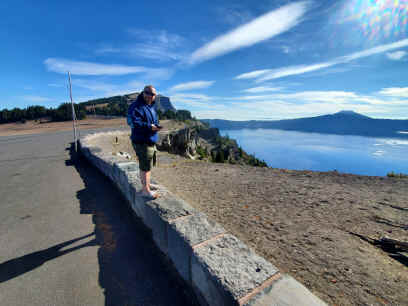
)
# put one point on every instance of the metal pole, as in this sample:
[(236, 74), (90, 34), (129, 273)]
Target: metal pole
[(73, 112)]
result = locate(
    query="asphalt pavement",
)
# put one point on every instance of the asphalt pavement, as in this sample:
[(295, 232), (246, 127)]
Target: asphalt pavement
[(67, 236)]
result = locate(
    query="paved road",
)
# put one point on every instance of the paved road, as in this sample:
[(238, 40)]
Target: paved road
[(66, 237)]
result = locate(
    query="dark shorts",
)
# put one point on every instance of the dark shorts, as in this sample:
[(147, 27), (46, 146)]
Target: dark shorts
[(146, 155)]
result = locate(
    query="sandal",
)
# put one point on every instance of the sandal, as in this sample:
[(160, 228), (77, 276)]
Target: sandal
[(149, 195)]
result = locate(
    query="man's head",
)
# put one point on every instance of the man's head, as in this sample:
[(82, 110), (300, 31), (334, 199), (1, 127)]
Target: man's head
[(149, 94)]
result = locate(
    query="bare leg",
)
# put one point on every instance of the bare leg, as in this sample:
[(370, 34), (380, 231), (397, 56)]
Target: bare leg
[(145, 178), (147, 181), (142, 178)]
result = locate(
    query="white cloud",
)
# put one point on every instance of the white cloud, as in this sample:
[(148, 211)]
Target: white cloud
[(292, 70), (286, 49), (94, 85), (107, 49), (87, 68), (396, 56), (292, 105), (27, 87), (155, 45), (253, 74), (395, 92), (192, 85), (109, 89), (55, 85), (271, 74), (262, 89), (260, 29), (154, 52), (377, 50), (234, 14), (186, 100), (35, 99)]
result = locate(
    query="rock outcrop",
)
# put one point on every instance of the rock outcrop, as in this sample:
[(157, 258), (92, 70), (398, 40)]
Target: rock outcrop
[(200, 142), (183, 142), (162, 103)]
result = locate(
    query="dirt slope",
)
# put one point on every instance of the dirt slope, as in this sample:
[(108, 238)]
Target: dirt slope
[(304, 222)]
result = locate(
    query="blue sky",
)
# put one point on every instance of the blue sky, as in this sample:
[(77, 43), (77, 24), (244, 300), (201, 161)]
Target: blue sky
[(236, 60)]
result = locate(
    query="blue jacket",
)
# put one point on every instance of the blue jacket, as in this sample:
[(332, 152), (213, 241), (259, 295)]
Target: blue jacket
[(140, 118)]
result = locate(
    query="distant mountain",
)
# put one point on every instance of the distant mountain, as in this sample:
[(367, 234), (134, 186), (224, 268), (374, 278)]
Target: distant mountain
[(343, 123), (162, 103)]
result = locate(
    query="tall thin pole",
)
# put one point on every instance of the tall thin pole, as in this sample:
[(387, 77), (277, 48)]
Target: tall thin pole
[(73, 112)]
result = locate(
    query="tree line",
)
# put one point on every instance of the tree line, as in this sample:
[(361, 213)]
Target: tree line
[(64, 112), (36, 112), (120, 107)]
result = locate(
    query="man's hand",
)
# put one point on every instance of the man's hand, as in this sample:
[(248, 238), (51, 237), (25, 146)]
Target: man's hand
[(155, 128)]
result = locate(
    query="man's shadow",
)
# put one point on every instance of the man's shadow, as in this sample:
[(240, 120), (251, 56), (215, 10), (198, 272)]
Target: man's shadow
[(18, 266), (131, 270)]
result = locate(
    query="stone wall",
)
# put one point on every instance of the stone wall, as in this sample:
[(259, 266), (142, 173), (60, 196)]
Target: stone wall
[(218, 267)]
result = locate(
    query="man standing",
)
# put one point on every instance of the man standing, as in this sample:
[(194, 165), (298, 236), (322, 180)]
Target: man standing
[(143, 120)]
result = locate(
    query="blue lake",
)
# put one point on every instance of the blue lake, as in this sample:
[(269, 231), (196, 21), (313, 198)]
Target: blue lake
[(324, 152)]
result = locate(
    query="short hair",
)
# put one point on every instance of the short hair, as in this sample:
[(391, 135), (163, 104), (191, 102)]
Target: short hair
[(149, 88)]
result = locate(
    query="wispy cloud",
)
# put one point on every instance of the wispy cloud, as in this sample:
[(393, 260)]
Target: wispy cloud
[(106, 49), (395, 92), (55, 85), (396, 56), (330, 97), (108, 89), (94, 85), (290, 105), (192, 85), (260, 29), (286, 49), (234, 14), (253, 74), (35, 99), (188, 100), (153, 44), (60, 65), (262, 89), (271, 74)]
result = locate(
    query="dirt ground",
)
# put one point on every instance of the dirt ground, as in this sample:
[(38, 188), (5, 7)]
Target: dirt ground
[(304, 222), (33, 127)]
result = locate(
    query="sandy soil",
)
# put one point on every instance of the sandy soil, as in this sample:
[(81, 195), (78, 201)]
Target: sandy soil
[(303, 222), (32, 127)]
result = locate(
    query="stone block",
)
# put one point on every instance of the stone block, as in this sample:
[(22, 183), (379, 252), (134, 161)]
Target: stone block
[(158, 213), (133, 186), (120, 174), (183, 234), (224, 270), (139, 204), (284, 292), (121, 166)]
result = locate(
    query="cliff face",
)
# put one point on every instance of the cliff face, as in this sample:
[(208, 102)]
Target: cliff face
[(186, 141), (162, 103), (199, 142)]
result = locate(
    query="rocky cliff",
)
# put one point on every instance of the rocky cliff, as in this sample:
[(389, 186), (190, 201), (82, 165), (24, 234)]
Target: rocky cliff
[(201, 142), (162, 103)]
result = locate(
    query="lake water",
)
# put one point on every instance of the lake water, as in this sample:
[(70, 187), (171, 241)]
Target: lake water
[(324, 152)]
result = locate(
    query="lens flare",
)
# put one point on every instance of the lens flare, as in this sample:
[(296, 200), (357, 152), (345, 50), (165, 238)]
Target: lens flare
[(376, 19)]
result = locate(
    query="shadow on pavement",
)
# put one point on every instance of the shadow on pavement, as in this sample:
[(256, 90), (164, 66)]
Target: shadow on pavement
[(131, 270), (18, 266)]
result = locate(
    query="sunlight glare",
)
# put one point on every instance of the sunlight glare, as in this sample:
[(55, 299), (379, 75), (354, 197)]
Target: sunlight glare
[(377, 19)]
